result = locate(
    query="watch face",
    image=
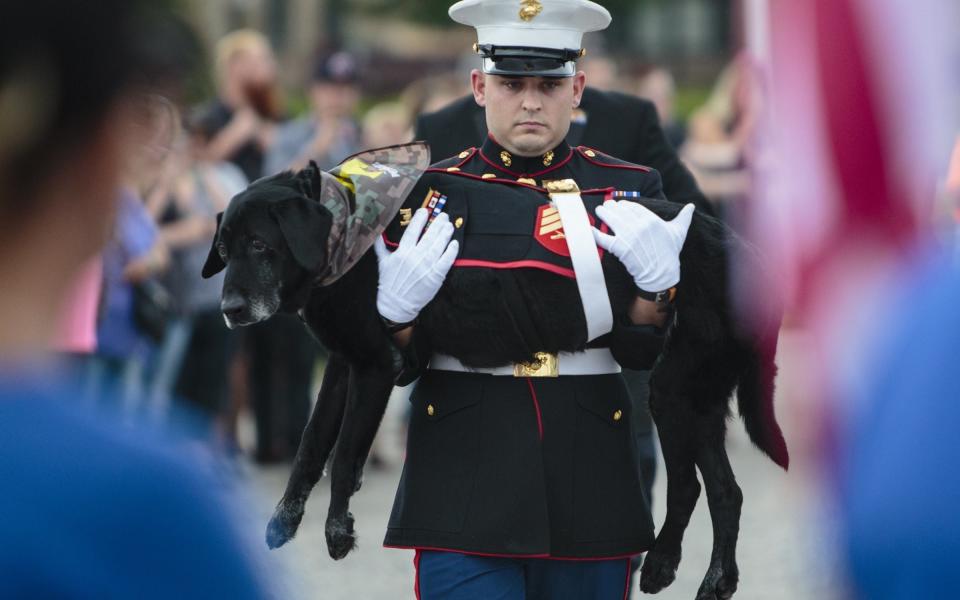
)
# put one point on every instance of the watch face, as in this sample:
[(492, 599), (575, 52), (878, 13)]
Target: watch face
[(666, 296)]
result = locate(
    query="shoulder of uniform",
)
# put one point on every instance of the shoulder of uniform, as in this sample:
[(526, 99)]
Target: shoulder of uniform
[(605, 160), (456, 161)]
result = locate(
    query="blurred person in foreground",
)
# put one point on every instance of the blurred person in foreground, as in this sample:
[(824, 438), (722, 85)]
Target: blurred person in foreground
[(843, 209), (898, 492), (329, 133), (241, 121), (90, 508)]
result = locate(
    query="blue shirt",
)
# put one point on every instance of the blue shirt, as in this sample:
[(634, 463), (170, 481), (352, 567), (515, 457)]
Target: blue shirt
[(135, 234), (900, 489), (92, 508)]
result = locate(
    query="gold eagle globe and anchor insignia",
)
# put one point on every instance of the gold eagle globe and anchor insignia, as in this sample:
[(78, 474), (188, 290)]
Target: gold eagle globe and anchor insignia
[(530, 9)]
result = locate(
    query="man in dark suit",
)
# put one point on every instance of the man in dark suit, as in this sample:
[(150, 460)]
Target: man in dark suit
[(616, 124)]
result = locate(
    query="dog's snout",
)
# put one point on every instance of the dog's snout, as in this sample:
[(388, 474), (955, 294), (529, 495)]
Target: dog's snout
[(232, 306)]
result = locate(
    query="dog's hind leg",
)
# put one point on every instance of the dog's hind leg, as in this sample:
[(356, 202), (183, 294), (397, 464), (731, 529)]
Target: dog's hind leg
[(370, 389), (315, 445), (725, 499), (673, 413)]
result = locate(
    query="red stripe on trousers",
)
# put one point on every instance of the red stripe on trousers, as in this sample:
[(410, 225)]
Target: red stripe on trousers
[(416, 574), (626, 585), (536, 405)]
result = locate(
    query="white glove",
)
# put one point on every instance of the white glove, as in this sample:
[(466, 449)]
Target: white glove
[(648, 246), (411, 275)]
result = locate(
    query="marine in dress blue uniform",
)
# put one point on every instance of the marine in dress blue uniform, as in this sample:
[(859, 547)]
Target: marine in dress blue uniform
[(523, 486)]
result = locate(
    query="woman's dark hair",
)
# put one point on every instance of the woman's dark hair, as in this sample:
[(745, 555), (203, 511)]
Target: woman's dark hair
[(64, 64)]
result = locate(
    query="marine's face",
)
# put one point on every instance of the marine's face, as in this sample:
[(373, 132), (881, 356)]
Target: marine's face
[(528, 115)]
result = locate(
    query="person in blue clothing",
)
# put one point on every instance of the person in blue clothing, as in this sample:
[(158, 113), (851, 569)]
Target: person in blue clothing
[(90, 508), (897, 482), (133, 254)]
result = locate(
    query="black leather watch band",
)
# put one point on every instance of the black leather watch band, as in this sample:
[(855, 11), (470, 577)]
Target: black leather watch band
[(663, 298), (393, 327)]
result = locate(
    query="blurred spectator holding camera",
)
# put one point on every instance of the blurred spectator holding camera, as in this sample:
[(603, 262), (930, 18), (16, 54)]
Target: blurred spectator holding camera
[(240, 122)]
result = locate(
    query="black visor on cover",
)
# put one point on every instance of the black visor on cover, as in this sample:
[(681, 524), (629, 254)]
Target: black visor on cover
[(530, 62)]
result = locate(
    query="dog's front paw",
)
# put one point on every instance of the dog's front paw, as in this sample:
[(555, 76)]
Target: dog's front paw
[(283, 524), (718, 584), (659, 571), (341, 538)]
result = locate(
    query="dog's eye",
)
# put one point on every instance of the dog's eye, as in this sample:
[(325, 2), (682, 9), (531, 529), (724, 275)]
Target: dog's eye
[(222, 251), (258, 246)]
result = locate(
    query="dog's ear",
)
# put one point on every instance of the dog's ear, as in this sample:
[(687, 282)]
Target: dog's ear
[(305, 226), (310, 180), (214, 263)]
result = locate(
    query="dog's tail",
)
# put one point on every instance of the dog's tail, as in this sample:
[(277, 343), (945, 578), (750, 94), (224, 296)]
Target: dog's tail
[(755, 399)]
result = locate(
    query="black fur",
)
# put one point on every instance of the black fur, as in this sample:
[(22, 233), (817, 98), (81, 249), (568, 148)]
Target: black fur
[(707, 354)]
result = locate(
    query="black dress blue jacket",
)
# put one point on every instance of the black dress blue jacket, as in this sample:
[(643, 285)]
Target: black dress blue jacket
[(498, 465)]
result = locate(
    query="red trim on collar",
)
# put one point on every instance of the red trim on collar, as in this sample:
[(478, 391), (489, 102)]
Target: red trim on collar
[(514, 173), (530, 175), (472, 151), (583, 152), (498, 167), (554, 167)]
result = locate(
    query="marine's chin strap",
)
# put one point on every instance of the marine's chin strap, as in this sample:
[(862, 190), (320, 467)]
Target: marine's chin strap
[(584, 256), (363, 194)]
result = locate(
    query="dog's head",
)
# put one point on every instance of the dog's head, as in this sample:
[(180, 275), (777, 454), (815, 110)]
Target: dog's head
[(272, 241)]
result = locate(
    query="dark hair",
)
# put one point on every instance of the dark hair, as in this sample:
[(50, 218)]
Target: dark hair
[(339, 67), (63, 64)]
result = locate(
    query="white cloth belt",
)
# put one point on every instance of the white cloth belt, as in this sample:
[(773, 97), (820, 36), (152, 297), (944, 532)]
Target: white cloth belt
[(592, 361), (586, 263)]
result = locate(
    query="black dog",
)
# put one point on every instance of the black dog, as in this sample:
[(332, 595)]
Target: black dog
[(271, 240)]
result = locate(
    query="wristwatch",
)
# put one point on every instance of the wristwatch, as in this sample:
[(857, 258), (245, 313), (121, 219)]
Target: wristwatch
[(662, 298), (393, 327)]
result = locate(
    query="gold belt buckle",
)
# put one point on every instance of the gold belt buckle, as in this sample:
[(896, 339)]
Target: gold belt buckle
[(544, 364)]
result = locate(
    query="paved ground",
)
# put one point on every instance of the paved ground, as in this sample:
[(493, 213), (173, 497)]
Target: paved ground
[(784, 551)]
